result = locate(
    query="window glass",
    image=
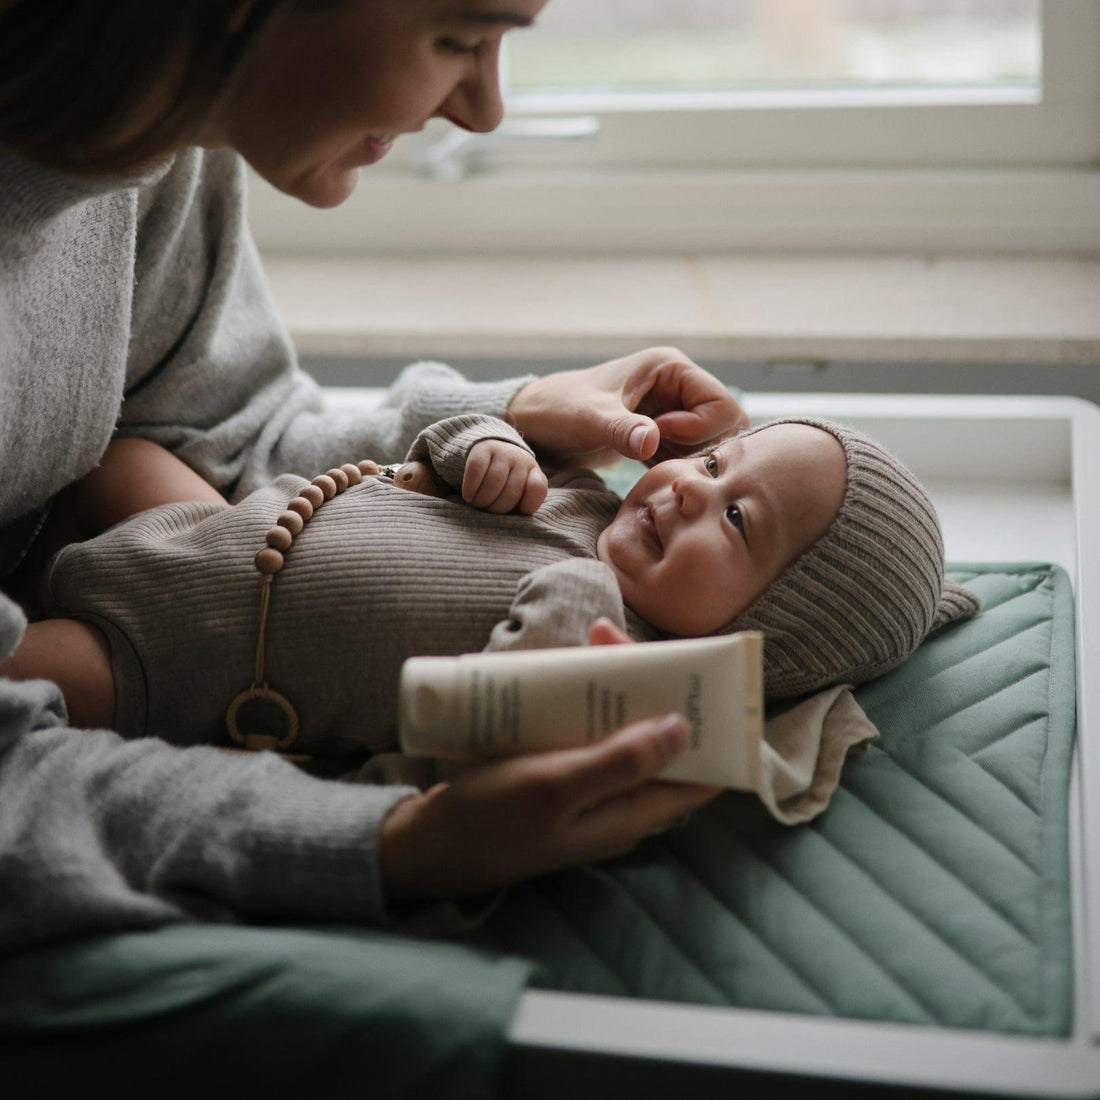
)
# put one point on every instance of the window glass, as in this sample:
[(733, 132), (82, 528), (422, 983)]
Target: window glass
[(693, 45)]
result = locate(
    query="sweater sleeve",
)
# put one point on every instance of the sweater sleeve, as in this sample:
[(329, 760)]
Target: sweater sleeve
[(100, 834), (212, 374), (555, 605), (446, 445)]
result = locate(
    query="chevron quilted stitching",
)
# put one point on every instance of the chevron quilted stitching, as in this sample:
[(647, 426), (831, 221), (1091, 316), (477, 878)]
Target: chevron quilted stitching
[(923, 894), (923, 1011), (534, 915), (1001, 737), (672, 932), (586, 934), (953, 669), (960, 799), (945, 953), (1019, 774), (931, 729), (1011, 938), (1014, 925)]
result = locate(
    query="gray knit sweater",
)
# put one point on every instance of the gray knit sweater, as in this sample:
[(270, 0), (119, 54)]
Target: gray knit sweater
[(378, 575), (140, 306)]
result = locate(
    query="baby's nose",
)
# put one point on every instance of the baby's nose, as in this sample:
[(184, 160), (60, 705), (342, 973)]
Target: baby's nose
[(690, 495)]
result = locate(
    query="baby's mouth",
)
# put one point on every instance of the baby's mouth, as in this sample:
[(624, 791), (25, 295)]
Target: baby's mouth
[(647, 524)]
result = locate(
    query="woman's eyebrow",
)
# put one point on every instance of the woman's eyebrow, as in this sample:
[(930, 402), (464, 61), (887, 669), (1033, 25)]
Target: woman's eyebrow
[(514, 19)]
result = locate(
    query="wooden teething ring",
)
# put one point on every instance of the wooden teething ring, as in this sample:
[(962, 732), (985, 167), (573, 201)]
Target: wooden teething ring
[(262, 740), (268, 562)]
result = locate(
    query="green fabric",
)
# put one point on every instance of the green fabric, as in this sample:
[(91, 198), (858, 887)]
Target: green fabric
[(933, 890), (203, 1010)]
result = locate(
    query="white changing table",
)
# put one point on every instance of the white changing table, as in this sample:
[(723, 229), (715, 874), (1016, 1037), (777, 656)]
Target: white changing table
[(1014, 479)]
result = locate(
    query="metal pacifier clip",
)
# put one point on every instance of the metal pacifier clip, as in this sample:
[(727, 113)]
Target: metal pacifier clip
[(260, 717)]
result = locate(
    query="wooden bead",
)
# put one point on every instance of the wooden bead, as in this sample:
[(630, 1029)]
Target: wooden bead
[(279, 538), (367, 467), (302, 507), (353, 474), (313, 495), (292, 522), (269, 560), (339, 477), (326, 485)]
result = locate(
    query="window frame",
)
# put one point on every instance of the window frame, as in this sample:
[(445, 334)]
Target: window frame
[(996, 170), (1008, 125)]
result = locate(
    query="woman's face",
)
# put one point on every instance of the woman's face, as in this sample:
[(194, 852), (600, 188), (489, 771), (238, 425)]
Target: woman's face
[(329, 86)]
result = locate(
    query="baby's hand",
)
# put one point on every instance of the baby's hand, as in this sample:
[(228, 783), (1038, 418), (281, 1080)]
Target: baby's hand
[(501, 477)]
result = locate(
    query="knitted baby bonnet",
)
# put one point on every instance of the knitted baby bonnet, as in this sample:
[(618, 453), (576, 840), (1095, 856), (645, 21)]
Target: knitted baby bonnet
[(868, 592)]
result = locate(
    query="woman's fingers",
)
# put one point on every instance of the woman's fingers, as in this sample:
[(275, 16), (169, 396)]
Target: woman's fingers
[(512, 818), (620, 823), (632, 756), (617, 407), (605, 632), (689, 405)]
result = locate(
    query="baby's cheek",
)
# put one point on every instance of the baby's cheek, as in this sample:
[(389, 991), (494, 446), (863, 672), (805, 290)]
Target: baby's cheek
[(716, 594)]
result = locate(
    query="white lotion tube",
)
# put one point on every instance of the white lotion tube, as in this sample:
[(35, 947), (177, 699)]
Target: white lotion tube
[(501, 704)]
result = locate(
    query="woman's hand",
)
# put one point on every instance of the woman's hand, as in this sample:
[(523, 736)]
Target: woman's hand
[(513, 818), (605, 632), (652, 405)]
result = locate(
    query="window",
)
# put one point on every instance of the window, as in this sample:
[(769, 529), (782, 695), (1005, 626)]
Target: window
[(811, 124), (624, 46)]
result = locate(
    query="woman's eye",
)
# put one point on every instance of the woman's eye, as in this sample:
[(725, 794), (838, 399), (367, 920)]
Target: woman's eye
[(733, 514), (711, 466), (453, 45)]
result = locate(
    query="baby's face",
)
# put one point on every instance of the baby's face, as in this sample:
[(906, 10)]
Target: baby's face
[(698, 539)]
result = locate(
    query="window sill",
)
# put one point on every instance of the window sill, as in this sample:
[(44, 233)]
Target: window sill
[(905, 309)]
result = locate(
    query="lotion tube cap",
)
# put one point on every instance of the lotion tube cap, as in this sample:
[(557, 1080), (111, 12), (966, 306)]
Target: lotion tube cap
[(429, 693)]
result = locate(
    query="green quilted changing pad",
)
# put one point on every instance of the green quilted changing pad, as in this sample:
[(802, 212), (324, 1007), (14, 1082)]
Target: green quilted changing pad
[(934, 889)]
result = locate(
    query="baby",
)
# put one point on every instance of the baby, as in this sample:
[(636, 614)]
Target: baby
[(802, 529)]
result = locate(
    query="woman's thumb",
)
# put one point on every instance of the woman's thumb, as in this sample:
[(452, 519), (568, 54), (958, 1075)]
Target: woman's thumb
[(635, 436)]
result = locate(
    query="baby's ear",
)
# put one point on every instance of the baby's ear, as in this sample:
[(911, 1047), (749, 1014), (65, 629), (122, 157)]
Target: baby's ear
[(956, 604)]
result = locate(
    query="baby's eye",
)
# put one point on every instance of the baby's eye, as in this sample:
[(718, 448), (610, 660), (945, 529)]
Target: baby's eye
[(733, 514), (711, 466)]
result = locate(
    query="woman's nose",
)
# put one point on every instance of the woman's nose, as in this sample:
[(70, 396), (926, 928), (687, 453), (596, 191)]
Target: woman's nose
[(476, 103)]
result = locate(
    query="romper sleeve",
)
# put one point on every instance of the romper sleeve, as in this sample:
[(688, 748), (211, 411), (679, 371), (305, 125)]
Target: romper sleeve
[(446, 445), (212, 374), (555, 605)]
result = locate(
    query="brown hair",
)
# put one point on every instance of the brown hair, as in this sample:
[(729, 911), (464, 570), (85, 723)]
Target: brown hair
[(101, 88)]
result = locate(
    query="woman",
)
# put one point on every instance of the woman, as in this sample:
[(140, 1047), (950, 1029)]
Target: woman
[(131, 299)]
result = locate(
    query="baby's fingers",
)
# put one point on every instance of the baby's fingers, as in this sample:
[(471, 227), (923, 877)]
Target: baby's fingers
[(534, 491), (511, 492), (478, 462)]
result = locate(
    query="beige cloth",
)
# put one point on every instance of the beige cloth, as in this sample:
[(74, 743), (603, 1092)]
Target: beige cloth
[(804, 751)]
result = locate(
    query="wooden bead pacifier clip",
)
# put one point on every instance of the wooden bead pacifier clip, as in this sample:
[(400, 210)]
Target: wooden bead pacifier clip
[(268, 562)]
